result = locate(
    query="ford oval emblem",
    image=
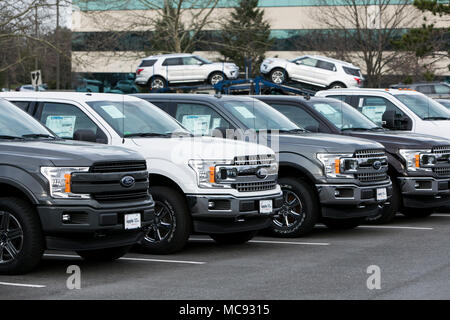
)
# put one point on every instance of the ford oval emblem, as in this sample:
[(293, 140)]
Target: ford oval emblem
[(262, 173), (377, 165), (127, 181)]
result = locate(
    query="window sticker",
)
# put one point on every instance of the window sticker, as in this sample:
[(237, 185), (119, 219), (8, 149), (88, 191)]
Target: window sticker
[(63, 126), (374, 113), (216, 122), (197, 124), (113, 112), (245, 112)]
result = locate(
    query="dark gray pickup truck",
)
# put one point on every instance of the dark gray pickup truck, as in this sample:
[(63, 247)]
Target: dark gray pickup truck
[(336, 180), (66, 195)]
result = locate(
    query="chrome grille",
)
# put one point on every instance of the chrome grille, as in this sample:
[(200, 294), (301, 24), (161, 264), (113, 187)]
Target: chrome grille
[(369, 153), (441, 150), (372, 177), (442, 171), (255, 186), (254, 160)]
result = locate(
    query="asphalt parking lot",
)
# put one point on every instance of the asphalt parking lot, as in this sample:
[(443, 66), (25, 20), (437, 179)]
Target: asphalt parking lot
[(412, 255)]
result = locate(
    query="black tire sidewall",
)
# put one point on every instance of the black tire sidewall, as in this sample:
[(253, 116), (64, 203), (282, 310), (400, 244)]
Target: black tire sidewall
[(309, 203), (33, 239), (182, 222)]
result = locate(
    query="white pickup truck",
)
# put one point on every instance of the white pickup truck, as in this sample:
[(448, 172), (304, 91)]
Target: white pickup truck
[(227, 189)]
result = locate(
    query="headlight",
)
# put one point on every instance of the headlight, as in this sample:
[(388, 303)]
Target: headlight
[(206, 172), (59, 179), (231, 67), (338, 165), (418, 160), (268, 61)]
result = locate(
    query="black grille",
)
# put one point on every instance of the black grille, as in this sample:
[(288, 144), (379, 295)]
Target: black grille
[(370, 153), (122, 196), (371, 177), (255, 186), (442, 171), (441, 149), (254, 160), (126, 166)]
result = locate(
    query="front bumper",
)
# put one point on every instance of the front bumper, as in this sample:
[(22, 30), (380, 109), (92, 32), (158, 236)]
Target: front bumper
[(90, 228), (230, 214), (232, 74), (425, 192), (341, 201)]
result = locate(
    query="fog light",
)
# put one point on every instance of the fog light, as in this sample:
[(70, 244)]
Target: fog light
[(211, 204), (337, 193), (66, 217)]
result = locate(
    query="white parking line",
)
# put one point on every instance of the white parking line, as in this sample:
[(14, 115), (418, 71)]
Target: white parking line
[(22, 285), (129, 259), (274, 242), (441, 215), (396, 227)]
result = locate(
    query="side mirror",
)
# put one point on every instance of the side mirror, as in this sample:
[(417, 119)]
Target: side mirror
[(389, 120), (85, 135)]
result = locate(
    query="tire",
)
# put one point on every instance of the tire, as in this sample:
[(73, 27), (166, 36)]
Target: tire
[(278, 76), (233, 238), (157, 82), (388, 213), (342, 224), (216, 77), (337, 85), (171, 229), (418, 213), (104, 255), (21, 234), (298, 197)]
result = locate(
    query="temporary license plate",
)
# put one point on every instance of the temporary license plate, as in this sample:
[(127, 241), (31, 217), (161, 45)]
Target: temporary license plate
[(381, 194), (265, 206), (132, 221)]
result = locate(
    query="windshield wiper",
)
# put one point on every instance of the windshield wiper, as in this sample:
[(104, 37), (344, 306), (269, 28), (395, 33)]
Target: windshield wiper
[(147, 134), (6, 137), (436, 118), (38, 135), (356, 129), (293, 130)]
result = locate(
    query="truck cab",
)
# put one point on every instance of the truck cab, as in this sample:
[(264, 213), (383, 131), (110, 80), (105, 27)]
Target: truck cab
[(315, 175), (397, 109), (226, 189), (419, 187), (66, 195)]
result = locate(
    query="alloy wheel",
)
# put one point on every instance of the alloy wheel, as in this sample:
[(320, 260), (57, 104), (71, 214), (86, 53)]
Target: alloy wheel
[(292, 211), (157, 84), (278, 77), (163, 225), (215, 79), (11, 237)]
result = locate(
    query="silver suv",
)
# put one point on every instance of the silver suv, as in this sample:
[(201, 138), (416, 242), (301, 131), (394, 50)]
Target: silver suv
[(314, 70), (159, 71)]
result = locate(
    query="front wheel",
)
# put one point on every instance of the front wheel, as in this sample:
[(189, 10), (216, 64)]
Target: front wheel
[(337, 85), (104, 255), (233, 238), (21, 239), (342, 224), (278, 76), (170, 230), (215, 78), (300, 210)]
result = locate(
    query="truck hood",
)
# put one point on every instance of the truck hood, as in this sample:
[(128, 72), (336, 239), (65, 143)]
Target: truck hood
[(183, 149), (326, 143), (394, 140), (440, 128), (63, 153)]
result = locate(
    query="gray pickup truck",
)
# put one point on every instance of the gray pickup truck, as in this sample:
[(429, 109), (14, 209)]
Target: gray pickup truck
[(336, 180), (66, 195)]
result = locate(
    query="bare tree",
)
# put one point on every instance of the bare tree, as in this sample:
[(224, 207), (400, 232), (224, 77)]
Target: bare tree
[(363, 30)]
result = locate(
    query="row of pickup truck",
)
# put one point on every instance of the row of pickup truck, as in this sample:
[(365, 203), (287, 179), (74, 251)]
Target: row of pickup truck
[(101, 173)]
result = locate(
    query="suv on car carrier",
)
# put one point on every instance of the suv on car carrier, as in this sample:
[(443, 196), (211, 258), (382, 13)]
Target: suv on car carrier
[(227, 189), (339, 181), (66, 195), (419, 165)]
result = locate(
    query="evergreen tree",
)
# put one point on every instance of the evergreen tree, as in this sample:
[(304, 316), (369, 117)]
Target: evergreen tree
[(246, 36)]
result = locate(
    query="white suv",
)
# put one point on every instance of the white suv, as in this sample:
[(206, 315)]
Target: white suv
[(159, 71), (314, 70)]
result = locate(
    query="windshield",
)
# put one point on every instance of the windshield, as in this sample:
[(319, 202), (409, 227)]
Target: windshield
[(424, 107), (445, 103), (259, 116), (342, 115), (15, 123), (136, 118)]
